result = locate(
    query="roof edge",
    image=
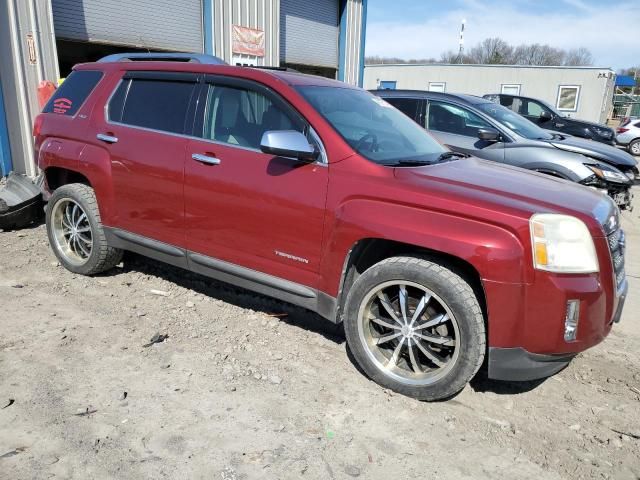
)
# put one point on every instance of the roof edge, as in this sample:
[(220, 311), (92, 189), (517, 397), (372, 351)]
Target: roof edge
[(566, 67)]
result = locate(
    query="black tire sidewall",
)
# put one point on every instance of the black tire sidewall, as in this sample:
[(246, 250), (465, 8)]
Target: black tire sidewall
[(472, 350), (71, 193)]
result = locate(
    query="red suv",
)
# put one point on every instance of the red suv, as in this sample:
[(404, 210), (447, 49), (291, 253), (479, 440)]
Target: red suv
[(325, 196)]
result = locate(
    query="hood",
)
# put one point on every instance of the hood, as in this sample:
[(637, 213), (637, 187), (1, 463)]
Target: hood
[(597, 150), (479, 184)]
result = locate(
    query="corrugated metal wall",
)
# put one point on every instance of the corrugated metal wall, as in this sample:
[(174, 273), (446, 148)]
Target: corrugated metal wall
[(259, 14), (164, 24), (5, 150), (352, 44), (20, 21), (309, 32)]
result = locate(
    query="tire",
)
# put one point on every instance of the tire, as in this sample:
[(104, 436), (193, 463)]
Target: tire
[(634, 147), (452, 310), (74, 208)]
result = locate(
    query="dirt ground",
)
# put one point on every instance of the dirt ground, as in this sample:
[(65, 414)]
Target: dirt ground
[(245, 387)]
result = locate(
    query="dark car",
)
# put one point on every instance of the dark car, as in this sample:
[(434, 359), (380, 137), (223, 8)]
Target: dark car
[(323, 195), (479, 127), (545, 116)]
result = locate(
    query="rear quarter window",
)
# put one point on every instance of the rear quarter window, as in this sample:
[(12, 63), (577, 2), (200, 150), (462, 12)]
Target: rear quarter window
[(73, 92)]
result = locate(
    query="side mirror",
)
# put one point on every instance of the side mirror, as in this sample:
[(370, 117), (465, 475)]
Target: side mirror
[(288, 143), (488, 134), (545, 116)]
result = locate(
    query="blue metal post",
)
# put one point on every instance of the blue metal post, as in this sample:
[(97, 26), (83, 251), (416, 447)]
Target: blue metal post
[(209, 40), (342, 41), (5, 151), (363, 38)]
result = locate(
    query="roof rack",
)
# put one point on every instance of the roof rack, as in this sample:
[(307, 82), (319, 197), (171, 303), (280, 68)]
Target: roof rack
[(280, 69), (162, 56)]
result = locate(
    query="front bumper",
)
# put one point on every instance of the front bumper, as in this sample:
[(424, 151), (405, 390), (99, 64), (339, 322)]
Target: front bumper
[(519, 364)]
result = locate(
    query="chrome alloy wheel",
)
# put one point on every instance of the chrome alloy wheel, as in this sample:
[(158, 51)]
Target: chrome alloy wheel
[(635, 148), (71, 231), (408, 332)]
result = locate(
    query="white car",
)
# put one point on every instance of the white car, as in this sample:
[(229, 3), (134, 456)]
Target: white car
[(628, 135)]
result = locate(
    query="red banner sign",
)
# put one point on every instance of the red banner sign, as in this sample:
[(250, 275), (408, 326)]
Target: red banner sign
[(247, 41)]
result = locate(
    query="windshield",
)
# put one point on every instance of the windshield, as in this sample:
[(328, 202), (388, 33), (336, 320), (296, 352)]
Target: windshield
[(515, 122), (372, 127)]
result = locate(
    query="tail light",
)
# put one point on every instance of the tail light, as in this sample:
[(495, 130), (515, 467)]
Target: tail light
[(622, 130), (37, 125)]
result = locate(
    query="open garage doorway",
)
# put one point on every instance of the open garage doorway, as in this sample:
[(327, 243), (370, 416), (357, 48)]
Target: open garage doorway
[(71, 53)]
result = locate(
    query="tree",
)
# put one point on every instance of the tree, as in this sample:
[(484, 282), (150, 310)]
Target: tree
[(492, 51), (536, 54), (578, 57), (497, 51)]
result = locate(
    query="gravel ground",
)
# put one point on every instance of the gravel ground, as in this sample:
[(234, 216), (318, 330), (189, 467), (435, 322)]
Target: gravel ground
[(245, 387)]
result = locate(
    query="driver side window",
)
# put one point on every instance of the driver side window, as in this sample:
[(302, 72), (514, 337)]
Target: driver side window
[(534, 109), (448, 118)]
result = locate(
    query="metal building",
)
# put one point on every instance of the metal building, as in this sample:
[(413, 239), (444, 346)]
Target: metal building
[(581, 92), (42, 39)]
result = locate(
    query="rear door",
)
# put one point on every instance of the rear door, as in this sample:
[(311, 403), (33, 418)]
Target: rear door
[(457, 127), (245, 207), (148, 116)]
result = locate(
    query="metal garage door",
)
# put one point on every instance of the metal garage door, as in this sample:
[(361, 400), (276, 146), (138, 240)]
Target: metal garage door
[(309, 32), (163, 24)]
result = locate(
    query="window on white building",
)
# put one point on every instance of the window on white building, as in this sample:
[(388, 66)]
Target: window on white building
[(437, 87), (568, 97), (510, 89)]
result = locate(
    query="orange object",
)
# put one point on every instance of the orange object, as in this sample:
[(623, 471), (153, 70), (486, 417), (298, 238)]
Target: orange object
[(45, 90)]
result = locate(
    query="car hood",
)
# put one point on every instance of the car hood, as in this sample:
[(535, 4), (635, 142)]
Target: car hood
[(597, 150), (479, 184)]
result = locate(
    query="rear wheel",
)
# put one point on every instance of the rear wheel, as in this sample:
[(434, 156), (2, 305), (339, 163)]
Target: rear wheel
[(75, 231), (415, 327), (634, 147)]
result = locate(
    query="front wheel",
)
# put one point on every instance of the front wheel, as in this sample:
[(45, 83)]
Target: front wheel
[(416, 327)]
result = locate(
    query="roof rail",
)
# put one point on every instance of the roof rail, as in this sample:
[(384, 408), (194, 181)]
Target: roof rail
[(280, 69), (163, 57)]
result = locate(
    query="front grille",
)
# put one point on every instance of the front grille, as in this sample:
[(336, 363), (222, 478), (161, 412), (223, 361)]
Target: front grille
[(616, 243)]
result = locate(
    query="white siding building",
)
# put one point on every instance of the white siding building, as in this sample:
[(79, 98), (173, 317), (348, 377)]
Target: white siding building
[(581, 92)]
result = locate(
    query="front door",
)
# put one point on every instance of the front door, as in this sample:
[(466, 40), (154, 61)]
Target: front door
[(245, 207), (457, 128), (534, 111)]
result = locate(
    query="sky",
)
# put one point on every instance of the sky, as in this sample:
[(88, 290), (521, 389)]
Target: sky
[(426, 28)]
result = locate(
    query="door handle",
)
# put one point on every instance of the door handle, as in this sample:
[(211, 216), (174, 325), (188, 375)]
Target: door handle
[(107, 138), (199, 157)]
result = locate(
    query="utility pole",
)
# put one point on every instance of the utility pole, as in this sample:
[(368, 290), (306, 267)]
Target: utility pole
[(461, 50)]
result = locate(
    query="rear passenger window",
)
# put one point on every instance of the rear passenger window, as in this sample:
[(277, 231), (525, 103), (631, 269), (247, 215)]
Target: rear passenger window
[(155, 104), (70, 96)]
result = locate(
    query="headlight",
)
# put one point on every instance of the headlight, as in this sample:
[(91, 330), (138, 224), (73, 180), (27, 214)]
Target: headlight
[(608, 175), (603, 132), (562, 244)]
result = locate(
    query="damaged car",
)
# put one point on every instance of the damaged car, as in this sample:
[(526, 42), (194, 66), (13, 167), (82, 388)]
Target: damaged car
[(484, 129)]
